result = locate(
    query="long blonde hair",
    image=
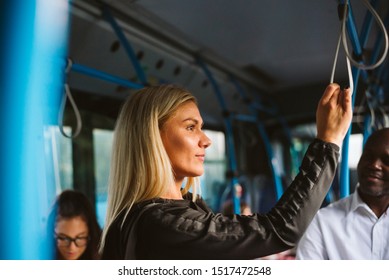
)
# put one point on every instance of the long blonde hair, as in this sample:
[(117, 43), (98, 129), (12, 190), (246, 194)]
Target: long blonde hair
[(140, 166)]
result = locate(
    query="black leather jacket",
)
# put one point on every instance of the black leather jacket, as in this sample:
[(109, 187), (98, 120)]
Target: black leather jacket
[(182, 229)]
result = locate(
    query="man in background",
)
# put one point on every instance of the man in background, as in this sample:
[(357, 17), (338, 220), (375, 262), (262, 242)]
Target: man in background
[(355, 227)]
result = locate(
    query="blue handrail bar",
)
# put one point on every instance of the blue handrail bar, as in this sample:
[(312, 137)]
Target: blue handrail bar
[(272, 160), (126, 44), (229, 134), (287, 132), (378, 75), (368, 22), (244, 118), (104, 76), (259, 107), (357, 43)]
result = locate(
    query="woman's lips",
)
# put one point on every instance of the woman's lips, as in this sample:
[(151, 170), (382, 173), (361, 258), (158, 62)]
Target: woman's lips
[(201, 157)]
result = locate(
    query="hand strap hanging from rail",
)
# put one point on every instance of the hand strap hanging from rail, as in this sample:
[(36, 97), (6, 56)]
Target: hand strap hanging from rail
[(343, 18), (345, 15), (68, 94), (348, 21), (358, 64)]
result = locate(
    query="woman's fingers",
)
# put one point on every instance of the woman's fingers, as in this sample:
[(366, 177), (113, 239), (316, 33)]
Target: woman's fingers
[(347, 100), (334, 113), (329, 93)]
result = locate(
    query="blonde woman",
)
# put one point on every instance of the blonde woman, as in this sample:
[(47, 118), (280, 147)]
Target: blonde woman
[(159, 144)]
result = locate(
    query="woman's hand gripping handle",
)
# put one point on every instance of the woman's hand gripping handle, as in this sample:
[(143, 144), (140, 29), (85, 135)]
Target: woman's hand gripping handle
[(334, 114)]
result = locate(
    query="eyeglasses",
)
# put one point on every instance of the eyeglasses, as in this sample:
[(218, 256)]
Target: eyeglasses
[(65, 241)]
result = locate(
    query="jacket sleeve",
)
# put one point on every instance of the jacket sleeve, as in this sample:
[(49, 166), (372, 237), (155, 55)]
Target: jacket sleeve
[(178, 232), (299, 204)]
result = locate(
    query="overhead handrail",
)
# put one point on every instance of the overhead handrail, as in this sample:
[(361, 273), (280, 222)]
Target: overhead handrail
[(233, 172), (101, 75), (126, 44), (67, 93), (82, 69)]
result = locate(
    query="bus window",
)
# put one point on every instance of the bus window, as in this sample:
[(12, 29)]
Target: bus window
[(355, 146), (213, 180), (59, 149), (102, 147), (65, 159)]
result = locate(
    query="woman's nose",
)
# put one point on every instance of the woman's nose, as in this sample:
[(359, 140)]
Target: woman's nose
[(205, 141), (72, 245)]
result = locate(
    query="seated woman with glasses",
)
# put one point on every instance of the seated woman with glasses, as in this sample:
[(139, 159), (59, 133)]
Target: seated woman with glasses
[(77, 231)]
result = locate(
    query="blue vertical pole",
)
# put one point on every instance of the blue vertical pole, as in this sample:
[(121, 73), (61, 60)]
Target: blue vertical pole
[(33, 35), (344, 168), (357, 43), (366, 129), (229, 135), (377, 84), (272, 160)]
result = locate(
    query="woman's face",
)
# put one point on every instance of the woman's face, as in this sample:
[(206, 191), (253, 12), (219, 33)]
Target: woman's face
[(72, 237), (185, 142)]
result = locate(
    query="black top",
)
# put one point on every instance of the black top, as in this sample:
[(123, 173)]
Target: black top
[(182, 229)]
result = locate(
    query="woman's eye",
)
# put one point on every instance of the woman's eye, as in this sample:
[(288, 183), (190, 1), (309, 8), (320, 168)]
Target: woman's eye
[(191, 127), (81, 237)]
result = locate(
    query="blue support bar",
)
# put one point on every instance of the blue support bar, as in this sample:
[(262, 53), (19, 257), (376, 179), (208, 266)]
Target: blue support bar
[(366, 28), (366, 130), (376, 49), (344, 168), (367, 24), (378, 71), (377, 75), (357, 43), (127, 46), (259, 107), (245, 118), (295, 158), (104, 76), (272, 160), (351, 29), (34, 41), (229, 135)]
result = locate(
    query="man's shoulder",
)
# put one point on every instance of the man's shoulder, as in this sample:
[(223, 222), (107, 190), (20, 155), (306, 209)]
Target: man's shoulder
[(338, 208)]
